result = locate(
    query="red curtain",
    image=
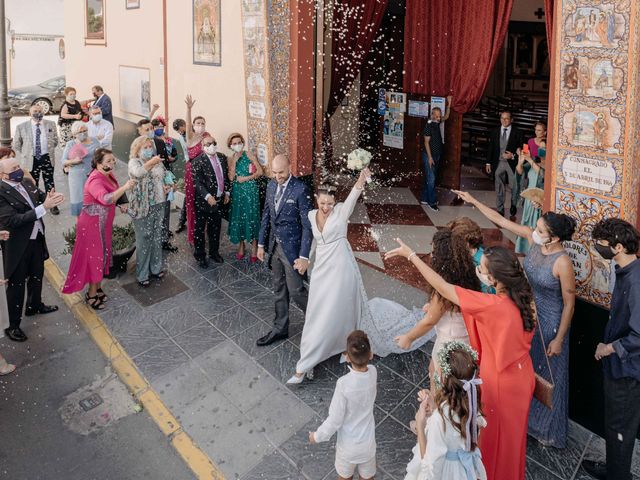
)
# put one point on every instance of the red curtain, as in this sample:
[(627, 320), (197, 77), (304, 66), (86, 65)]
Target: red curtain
[(548, 18), (451, 46), (355, 25)]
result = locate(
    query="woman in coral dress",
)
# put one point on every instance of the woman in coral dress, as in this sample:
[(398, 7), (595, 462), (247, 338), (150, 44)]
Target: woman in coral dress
[(91, 257), (500, 329)]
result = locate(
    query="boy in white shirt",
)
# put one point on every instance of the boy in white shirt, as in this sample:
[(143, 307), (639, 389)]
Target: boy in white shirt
[(351, 413)]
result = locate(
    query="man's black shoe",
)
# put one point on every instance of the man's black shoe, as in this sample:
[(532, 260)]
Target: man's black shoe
[(40, 311), (55, 211), (271, 337), (203, 263), (513, 211), (595, 469), (15, 334), (216, 257), (501, 212), (169, 248)]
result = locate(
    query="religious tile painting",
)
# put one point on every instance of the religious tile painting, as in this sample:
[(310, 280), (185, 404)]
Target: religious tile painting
[(594, 24), (598, 128), (592, 272), (279, 41), (207, 44), (601, 78)]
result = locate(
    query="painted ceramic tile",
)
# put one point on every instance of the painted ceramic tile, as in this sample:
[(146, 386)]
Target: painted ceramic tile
[(592, 24), (256, 85), (252, 7), (593, 127), (594, 77)]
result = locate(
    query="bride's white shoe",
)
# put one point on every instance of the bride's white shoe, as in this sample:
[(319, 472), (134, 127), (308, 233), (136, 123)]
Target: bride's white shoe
[(295, 380)]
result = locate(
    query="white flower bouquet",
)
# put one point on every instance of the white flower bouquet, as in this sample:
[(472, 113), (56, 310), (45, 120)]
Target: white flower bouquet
[(358, 160)]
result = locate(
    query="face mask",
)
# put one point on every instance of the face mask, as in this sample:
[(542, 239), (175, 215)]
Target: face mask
[(210, 149), (198, 128), (237, 147), (37, 116), (16, 176), (150, 134), (483, 277), (605, 251), (82, 136), (147, 153), (71, 98), (97, 117), (158, 132), (538, 240), (106, 168)]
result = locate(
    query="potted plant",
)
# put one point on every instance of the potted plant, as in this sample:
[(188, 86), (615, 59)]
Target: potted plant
[(178, 195), (123, 244)]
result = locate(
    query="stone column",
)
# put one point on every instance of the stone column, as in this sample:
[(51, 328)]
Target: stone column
[(595, 130)]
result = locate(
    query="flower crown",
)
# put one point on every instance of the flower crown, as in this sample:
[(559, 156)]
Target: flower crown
[(445, 352)]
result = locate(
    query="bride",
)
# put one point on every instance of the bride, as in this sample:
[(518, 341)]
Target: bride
[(338, 302)]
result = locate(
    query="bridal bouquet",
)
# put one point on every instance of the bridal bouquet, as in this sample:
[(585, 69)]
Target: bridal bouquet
[(358, 160)]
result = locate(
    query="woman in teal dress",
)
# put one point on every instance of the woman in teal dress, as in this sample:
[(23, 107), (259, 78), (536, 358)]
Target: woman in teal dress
[(532, 164), (244, 222)]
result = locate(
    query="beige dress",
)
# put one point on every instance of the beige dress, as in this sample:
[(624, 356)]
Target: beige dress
[(450, 327)]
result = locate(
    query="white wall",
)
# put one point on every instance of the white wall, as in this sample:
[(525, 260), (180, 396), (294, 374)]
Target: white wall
[(135, 38), (34, 60)]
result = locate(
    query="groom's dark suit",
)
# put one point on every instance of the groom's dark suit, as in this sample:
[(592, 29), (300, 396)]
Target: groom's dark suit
[(285, 234)]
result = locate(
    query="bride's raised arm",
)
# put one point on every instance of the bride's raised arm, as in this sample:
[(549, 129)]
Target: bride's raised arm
[(350, 202), (444, 288)]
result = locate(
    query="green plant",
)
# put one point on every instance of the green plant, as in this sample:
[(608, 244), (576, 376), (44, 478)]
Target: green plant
[(122, 238)]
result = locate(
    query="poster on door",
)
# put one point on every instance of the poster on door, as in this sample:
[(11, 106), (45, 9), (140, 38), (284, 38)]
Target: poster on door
[(396, 101), (393, 131)]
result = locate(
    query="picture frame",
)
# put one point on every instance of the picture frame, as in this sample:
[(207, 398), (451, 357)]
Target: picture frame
[(135, 90), (132, 4), (95, 25), (206, 32)]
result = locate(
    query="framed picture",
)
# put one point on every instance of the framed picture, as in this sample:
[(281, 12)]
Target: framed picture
[(206, 32), (135, 90), (132, 4), (95, 20)]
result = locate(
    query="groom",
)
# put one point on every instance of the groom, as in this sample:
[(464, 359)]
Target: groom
[(285, 234)]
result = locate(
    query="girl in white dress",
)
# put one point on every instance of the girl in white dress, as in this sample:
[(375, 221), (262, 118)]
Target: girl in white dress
[(338, 302), (447, 447), (450, 257)]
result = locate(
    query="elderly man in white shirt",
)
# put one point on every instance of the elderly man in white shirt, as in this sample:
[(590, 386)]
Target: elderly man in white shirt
[(99, 128)]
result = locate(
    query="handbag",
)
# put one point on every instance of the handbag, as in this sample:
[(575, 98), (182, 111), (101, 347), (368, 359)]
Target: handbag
[(543, 391)]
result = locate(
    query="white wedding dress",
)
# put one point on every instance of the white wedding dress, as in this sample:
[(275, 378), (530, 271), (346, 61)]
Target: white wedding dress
[(338, 302)]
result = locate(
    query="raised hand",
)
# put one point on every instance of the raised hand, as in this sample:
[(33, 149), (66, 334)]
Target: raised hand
[(53, 199), (465, 196), (189, 101), (402, 251)]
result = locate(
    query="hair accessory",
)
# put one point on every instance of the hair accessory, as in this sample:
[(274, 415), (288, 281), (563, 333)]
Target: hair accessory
[(469, 386)]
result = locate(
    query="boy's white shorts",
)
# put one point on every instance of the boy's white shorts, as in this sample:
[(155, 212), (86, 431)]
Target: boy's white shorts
[(346, 469)]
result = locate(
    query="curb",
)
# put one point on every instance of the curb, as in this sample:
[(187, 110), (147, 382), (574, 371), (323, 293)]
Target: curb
[(199, 463)]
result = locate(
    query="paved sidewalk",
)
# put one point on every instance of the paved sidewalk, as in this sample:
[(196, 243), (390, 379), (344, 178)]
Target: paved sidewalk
[(43, 440), (197, 349)]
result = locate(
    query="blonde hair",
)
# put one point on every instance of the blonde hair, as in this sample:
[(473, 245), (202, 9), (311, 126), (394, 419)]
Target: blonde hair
[(68, 90), (76, 126), (137, 145), (232, 136)]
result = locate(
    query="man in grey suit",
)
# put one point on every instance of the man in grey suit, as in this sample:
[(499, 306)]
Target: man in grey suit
[(35, 143)]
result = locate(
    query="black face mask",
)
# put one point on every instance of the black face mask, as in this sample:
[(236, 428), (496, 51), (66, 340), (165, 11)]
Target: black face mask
[(605, 251)]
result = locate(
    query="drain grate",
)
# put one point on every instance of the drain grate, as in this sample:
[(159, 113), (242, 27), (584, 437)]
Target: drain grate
[(91, 402)]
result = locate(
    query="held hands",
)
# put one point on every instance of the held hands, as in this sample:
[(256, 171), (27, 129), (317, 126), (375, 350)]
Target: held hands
[(4, 235), (53, 199), (604, 350), (299, 264), (402, 251), (260, 254), (425, 397)]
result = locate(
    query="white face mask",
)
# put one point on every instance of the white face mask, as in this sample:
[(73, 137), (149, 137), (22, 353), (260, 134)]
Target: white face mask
[(483, 277), (198, 128), (238, 147), (538, 240), (210, 149)]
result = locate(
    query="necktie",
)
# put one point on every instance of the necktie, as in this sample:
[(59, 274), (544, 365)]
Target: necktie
[(38, 146), (279, 195), (218, 172), (504, 133)]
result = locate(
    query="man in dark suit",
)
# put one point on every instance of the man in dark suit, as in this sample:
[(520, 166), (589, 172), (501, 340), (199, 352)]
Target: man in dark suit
[(103, 101), (503, 146), (22, 207), (212, 190), (285, 234)]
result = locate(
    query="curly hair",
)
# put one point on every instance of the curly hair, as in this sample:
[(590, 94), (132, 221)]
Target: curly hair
[(463, 367), (451, 260), (506, 269), (467, 229)]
